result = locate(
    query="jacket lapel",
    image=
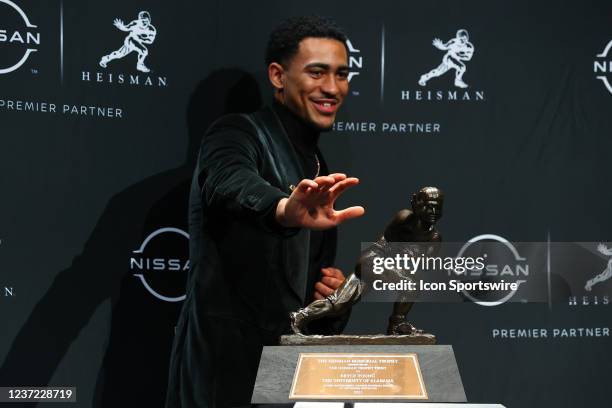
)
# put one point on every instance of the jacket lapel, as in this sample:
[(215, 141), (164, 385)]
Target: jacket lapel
[(286, 165)]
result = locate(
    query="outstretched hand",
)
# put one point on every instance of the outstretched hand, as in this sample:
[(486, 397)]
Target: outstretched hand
[(311, 204), (438, 43), (119, 24)]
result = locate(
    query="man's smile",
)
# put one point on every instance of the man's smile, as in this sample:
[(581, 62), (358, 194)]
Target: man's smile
[(325, 106)]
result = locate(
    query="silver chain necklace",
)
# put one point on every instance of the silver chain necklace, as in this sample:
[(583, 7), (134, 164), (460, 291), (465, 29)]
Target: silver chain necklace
[(292, 187)]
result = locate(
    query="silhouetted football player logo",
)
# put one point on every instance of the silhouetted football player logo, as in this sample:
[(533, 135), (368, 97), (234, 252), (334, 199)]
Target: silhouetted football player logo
[(606, 274), (457, 49), (141, 33)]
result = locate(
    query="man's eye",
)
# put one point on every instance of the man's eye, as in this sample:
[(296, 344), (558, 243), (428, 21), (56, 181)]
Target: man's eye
[(316, 74), (343, 74)]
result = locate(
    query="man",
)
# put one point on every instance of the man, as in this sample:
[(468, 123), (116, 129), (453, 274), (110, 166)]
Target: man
[(458, 49), (141, 32), (262, 221)]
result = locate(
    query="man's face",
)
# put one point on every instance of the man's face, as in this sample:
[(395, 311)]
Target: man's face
[(316, 81)]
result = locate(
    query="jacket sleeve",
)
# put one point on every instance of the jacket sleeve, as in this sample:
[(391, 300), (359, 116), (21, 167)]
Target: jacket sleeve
[(229, 178)]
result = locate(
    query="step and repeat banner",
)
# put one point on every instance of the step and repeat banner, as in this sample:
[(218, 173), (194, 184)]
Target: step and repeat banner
[(505, 106)]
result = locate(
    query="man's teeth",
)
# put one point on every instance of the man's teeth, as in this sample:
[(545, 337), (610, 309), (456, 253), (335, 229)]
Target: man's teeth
[(327, 104)]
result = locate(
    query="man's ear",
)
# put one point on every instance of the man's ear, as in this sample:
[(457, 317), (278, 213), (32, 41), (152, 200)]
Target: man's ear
[(276, 74)]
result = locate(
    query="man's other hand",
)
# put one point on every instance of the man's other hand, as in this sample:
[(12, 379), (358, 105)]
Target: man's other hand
[(331, 279), (311, 204)]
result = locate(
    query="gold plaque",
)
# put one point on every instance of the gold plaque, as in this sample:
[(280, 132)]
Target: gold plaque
[(358, 376)]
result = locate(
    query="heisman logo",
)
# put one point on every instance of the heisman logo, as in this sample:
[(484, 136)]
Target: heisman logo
[(606, 274), (155, 268), (141, 33), (28, 37), (458, 50)]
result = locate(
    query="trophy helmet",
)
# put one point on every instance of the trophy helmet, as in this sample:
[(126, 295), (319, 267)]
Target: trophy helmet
[(428, 193), (427, 204), (463, 34), (144, 15)]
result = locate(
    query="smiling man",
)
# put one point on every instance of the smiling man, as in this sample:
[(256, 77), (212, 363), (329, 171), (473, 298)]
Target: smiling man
[(262, 221)]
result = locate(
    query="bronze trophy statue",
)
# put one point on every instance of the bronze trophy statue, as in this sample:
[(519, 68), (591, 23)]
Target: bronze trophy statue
[(409, 225), (372, 367)]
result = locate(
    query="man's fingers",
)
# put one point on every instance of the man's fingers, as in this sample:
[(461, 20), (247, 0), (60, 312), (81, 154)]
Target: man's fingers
[(348, 213), (318, 296), (305, 184), (323, 289), (338, 176), (331, 282), (339, 187), (325, 182), (333, 272)]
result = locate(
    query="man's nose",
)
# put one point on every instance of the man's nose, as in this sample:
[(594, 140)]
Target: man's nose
[(330, 85)]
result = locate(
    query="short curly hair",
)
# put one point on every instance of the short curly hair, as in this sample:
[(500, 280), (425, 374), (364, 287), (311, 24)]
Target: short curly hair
[(285, 39)]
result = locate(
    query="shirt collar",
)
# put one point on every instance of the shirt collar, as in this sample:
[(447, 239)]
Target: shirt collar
[(302, 135)]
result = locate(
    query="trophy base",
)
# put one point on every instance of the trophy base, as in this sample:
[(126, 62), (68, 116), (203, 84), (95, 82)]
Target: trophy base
[(366, 339), (301, 373)]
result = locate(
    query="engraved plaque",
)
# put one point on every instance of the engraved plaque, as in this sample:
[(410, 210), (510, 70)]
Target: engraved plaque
[(358, 376)]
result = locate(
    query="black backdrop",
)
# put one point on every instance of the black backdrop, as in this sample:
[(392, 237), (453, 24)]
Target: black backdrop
[(521, 153)]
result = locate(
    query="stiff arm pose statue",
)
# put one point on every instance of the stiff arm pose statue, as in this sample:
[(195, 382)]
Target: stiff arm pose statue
[(416, 225), (458, 49), (141, 32)]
